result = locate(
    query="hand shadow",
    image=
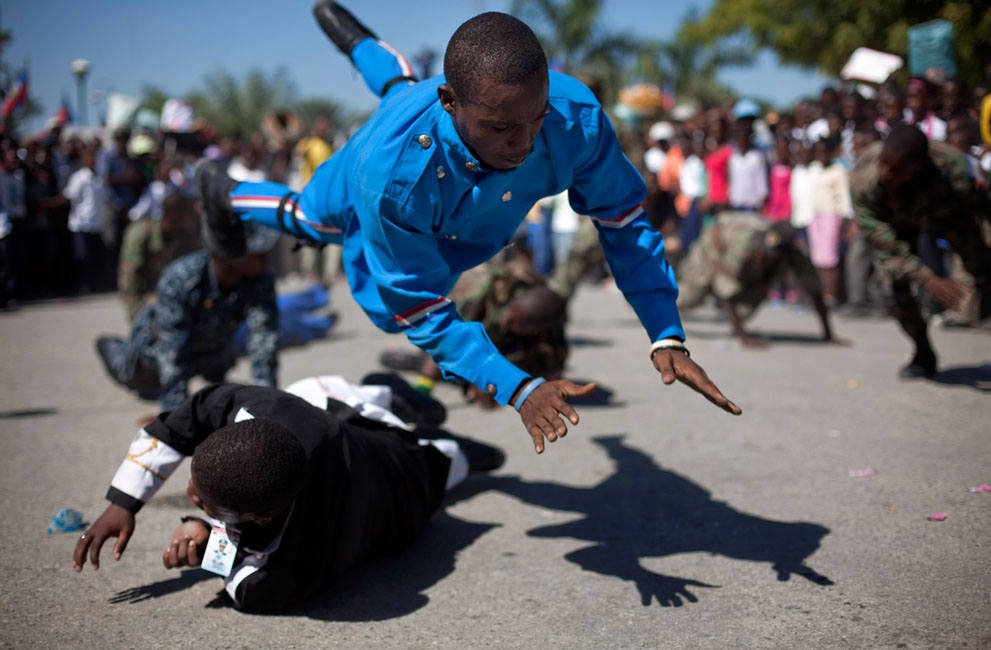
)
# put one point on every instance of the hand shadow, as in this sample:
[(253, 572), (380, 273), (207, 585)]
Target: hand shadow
[(977, 377), (642, 511), (185, 580)]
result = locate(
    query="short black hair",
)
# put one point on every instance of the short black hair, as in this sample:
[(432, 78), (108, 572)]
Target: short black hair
[(543, 308), (492, 47), (253, 466), (907, 143)]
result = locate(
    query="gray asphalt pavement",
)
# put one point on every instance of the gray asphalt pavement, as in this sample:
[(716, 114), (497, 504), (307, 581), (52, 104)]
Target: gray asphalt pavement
[(658, 522)]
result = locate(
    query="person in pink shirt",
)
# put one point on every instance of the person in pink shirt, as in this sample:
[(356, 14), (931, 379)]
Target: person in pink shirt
[(778, 206), (717, 165)]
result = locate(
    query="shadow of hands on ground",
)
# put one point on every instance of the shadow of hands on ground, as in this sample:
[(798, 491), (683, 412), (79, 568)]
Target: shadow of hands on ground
[(642, 511), (601, 396), (977, 377), (184, 580)]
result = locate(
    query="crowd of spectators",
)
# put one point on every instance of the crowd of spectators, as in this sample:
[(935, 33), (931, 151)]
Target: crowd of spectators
[(68, 197), (794, 166)]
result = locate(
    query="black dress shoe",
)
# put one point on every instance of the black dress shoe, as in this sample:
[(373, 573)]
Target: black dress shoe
[(923, 364), (340, 26), (223, 231), (409, 405), (481, 457)]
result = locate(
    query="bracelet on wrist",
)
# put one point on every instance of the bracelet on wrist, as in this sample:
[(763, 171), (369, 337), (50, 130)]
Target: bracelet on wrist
[(525, 393), (668, 344)]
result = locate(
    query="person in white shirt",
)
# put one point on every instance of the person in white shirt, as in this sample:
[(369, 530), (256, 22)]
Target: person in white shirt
[(694, 185), (804, 177), (86, 194), (747, 175), (919, 112), (660, 136), (832, 207)]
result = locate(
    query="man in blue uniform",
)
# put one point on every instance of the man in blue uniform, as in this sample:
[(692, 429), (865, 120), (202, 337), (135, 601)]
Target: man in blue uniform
[(438, 180), (187, 330)]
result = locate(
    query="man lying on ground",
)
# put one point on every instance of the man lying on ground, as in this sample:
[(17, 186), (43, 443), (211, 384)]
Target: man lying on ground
[(296, 489)]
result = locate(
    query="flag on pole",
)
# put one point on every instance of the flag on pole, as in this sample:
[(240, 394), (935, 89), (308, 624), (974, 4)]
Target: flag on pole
[(63, 115), (17, 95)]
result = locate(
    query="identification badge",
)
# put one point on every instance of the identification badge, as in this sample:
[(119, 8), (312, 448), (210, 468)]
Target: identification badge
[(221, 548)]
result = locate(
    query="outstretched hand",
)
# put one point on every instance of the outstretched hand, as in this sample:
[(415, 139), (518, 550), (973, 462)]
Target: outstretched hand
[(675, 364), (949, 292), (543, 410), (114, 522)]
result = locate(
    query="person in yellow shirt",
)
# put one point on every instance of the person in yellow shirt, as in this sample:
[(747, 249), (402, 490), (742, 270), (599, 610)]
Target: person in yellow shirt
[(314, 149), (317, 265)]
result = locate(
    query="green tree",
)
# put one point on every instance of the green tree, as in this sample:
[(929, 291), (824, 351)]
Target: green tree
[(691, 69), (824, 34), (153, 97), (572, 36), (308, 110), (235, 106)]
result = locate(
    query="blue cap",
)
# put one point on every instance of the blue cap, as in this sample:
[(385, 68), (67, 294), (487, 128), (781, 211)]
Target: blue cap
[(746, 108)]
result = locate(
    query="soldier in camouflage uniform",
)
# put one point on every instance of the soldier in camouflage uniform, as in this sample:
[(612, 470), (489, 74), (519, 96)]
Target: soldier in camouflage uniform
[(150, 245), (523, 318), (737, 259), (187, 331), (907, 186), (586, 254)]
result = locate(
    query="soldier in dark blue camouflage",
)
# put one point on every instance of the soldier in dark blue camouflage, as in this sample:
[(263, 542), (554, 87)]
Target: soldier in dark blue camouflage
[(187, 331), (907, 186)]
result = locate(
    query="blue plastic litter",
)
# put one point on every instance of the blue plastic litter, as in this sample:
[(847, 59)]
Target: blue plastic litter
[(66, 520)]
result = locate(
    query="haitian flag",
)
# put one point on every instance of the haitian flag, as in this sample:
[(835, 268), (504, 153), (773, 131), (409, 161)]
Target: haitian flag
[(62, 115), (17, 95)]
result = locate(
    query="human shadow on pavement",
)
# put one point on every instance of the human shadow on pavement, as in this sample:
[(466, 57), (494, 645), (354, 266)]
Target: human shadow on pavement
[(395, 586), (382, 590), (589, 342), (184, 580), (977, 377), (643, 511), (771, 337), (28, 413)]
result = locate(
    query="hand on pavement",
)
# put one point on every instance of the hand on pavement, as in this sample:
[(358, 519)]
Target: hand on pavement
[(114, 522)]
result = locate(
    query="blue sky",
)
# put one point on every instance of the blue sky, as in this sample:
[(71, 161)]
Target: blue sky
[(174, 44)]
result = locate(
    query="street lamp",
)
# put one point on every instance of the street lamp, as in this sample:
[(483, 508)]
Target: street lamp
[(80, 68)]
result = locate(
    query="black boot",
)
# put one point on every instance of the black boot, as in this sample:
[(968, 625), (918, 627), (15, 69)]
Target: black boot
[(109, 348), (340, 26), (481, 457), (923, 364), (223, 232)]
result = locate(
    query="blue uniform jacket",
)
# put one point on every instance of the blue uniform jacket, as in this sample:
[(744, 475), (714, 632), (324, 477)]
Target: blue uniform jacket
[(413, 208)]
